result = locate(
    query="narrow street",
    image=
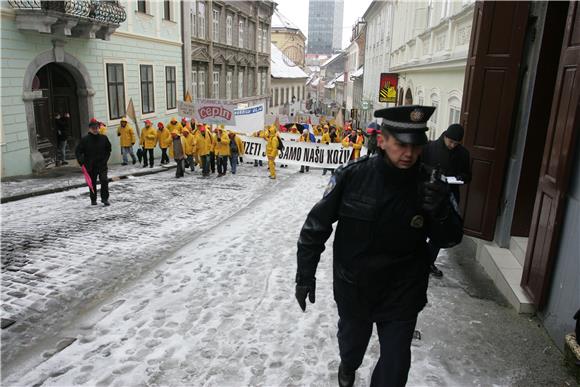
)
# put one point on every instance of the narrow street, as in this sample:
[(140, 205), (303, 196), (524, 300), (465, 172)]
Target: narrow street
[(191, 282)]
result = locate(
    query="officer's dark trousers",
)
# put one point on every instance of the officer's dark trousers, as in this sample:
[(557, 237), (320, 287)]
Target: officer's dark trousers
[(205, 164), (395, 338), (103, 179)]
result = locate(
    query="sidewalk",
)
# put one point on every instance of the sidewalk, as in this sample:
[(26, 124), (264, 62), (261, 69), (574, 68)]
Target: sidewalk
[(58, 179)]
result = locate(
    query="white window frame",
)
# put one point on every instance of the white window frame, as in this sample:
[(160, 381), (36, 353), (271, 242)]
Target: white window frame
[(263, 83), (174, 66), (193, 18), (201, 21), (201, 84), (216, 25), (229, 79), (155, 100), (229, 29), (194, 85), (241, 34), (265, 40), (116, 121), (240, 84), (259, 48), (216, 85), (454, 104)]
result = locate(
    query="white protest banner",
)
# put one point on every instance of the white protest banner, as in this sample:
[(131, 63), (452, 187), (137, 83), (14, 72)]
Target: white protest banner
[(248, 120), (214, 112), (299, 153), (185, 109)]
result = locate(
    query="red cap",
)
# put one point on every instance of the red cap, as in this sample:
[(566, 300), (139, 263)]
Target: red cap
[(147, 122), (202, 129), (93, 122), (160, 125)]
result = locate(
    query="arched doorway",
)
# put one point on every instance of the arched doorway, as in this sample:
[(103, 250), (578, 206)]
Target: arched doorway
[(55, 80), (409, 97), (59, 100), (400, 103)]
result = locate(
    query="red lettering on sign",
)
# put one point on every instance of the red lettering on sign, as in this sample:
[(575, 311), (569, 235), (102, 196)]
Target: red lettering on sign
[(215, 111)]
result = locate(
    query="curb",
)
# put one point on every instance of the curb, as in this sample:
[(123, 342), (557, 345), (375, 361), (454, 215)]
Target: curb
[(73, 186)]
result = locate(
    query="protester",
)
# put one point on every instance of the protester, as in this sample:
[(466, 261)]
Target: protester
[(174, 126), (164, 140), (450, 158), (93, 152), (354, 140), (236, 150), (381, 262), (203, 141), (305, 137), (188, 149), (262, 134), (325, 139), (212, 159), (61, 123), (372, 131), (148, 141), (222, 151), (127, 140), (176, 151), (272, 150), (102, 128)]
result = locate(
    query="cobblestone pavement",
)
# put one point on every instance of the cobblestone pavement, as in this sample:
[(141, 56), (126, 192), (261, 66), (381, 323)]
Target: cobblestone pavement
[(60, 254)]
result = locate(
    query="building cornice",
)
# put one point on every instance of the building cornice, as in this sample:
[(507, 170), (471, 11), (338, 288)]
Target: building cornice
[(131, 35), (443, 64)]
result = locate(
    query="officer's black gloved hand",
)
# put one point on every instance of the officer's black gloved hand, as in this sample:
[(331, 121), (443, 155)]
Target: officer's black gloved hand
[(435, 199), (303, 289)]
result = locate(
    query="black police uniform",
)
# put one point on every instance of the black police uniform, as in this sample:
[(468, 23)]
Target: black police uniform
[(380, 263)]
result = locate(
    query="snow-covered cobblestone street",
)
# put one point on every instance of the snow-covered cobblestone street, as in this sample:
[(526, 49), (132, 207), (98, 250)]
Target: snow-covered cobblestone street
[(190, 282)]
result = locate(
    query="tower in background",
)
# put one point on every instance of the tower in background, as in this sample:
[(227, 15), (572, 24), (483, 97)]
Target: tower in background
[(325, 26)]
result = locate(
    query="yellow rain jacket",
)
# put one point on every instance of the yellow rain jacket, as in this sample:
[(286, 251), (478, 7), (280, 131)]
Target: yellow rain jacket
[(103, 129), (188, 143), (304, 139), (177, 127), (272, 143), (164, 138), (222, 145), (325, 138), (203, 141), (171, 152), (240, 144), (148, 137), (127, 135), (356, 145)]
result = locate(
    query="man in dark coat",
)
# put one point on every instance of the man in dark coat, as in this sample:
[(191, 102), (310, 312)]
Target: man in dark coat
[(447, 155), (386, 208), (93, 152)]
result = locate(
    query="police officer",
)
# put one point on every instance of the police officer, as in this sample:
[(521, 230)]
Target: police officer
[(386, 208)]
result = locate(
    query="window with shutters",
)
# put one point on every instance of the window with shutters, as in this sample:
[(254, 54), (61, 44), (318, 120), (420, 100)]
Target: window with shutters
[(194, 85), (216, 85), (201, 21), (170, 87), (241, 34), (229, 28), (201, 84), (229, 78), (241, 84), (216, 25)]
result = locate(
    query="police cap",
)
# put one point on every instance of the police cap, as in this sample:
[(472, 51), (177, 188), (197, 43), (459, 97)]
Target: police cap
[(407, 124)]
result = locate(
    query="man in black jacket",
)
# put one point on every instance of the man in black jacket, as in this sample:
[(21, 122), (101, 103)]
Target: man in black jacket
[(386, 208), (447, 155), (93, 152)]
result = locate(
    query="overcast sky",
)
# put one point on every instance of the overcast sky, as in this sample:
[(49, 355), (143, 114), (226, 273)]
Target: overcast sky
[(297, 12)]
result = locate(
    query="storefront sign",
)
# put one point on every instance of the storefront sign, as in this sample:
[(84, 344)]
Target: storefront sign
[(388, 87)]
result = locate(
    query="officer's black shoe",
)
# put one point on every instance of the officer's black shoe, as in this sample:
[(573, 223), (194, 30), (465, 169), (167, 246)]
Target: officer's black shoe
[(105, 202), (435, 271), (345, 378), (93, 202)]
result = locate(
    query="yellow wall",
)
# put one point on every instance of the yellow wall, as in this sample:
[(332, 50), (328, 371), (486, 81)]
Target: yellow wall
[(291, 44)]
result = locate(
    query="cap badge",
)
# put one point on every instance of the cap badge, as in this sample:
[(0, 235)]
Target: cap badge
[(417, 221), (417, 115)]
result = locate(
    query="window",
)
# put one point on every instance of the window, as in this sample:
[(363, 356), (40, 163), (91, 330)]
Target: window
[(229, 29), (264, 40), (201, 21), (116, 90), (250, 83), (216, 25), (429, 13), (241, 34), (170, 88), (240, 84), (259, 48), (229, 77), (201, 84), (194, 85), (445, 9), (147, 94), (166, 10), (434, 103), (454, 110), (276, 97), (263, 89), (141, 6), (193, 17), (216, 85)]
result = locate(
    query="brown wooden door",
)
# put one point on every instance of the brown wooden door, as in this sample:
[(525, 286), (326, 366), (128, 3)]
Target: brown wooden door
[(554, 174), (490, 90)]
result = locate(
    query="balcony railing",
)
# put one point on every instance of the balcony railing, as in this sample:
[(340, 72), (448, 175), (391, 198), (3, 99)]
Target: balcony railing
[(80, 18)]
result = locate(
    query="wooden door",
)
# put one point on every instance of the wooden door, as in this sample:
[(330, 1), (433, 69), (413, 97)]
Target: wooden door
[(490, 93), (554, 173)]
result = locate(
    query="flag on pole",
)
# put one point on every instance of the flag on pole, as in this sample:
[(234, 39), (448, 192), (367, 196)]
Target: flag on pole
[(131, 114)]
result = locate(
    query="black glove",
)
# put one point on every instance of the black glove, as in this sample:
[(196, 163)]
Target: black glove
[(435, 199), (304, 289)]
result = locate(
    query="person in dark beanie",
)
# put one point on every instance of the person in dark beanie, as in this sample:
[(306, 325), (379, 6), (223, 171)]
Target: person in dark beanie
[(93, 152), (451, 159)]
